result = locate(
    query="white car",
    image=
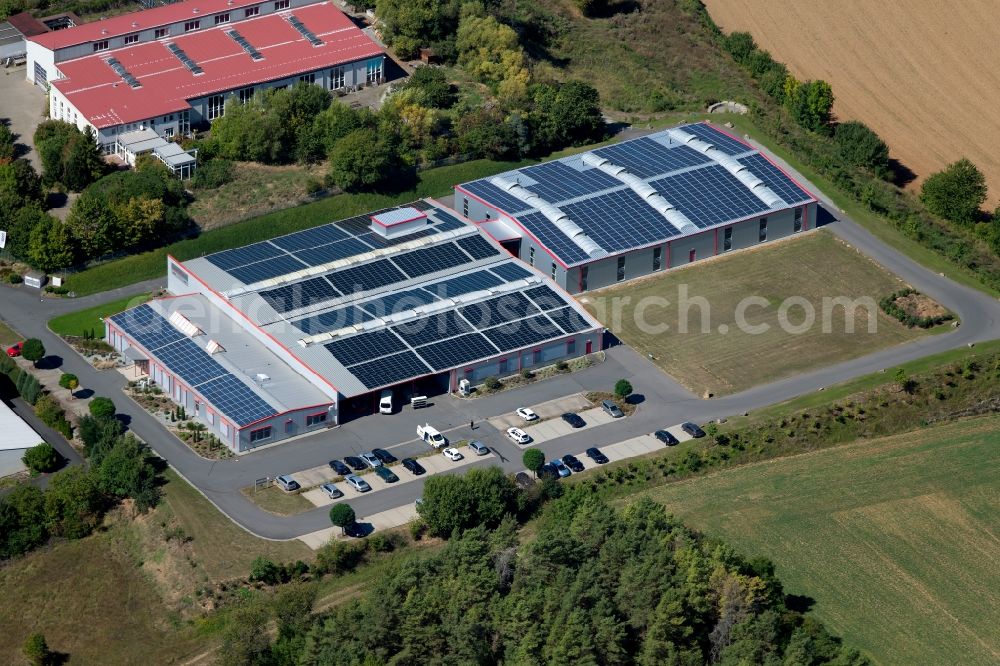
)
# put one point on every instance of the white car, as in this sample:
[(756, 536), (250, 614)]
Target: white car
[(526, 414), (518, 435), (451, 453)]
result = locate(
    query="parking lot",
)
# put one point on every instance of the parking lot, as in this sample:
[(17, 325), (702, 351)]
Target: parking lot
[(545, 410), (21, 103), (556, 427)]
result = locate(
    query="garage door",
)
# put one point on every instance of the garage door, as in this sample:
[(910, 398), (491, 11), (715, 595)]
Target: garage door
[(41, 78)]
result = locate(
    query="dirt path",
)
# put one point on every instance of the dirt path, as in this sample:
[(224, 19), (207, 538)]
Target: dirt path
[(924, 74)]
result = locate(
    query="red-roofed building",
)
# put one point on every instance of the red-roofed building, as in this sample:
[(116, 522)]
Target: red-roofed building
[(174, 67)]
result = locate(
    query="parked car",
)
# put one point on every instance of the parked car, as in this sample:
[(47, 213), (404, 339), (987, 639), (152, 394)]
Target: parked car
[(15, 349), (518, 435), (412, 466), (385, 402), (667, 438), (355, 530), (595, 454), (560, 468), (371, 459), (339, 467), (430, 434), (548, 471), (384, 456), (574, 420), (386, 474), (692, 429), (573, 463), (478, 447), (612, 409), (332, 491), (526, 414), (287, 483), (451, 453), (357, 483), (356, 463)]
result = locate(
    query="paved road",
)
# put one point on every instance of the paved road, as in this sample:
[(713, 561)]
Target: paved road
[(665, 401)]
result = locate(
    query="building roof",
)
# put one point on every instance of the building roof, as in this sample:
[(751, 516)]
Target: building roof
[(16, 433), (27, 24), (165, 83), (174, 155), (638, 193), (125, 24), (365, 312)]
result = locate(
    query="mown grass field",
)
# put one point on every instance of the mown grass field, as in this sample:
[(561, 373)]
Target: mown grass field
[(8, 336), (82, 321), (812, 267), (894, 538)]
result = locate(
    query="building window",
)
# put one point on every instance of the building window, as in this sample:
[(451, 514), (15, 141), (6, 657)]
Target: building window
[(281, 4), (531, 255), (465, 206), (374, 70), (308, 78), (338, 78), (657, 258), (553, 272), (216, 106), (222, 18), (184, 123), (727, 239), (251, 11), (168, 133), (192, 25), (798, 220), (763, 229), (570, 347), (315, 419), (159, 33), (210, 416), (131, 39), (101, 45), (260, 434), (584, 274), (246, 94), (621, 269)]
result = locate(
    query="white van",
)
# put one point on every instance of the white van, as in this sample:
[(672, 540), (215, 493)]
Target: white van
[(385, 402)]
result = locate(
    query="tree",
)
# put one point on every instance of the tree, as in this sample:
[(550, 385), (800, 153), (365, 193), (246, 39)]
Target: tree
[(73, 503), (740, 45), (7, 150), (246, 639), (41, 458), (566, 114), (124, 471), (265, 571), (361, 160), (33, 350), (861, 147), (533, 459), (36, 650), (623, 389), (955, 193), (68, 156), (69, 382), (454, 503), (50, 246), (490, 51), (408, 25), (484, 133), (342, 515), (431, 88), (22, 521), (19, 184), (810, 103), (102, 408)]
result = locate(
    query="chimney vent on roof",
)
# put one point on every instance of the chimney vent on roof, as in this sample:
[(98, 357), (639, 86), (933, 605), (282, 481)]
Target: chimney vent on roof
[(135, 24), (195, 10), (104, 31)]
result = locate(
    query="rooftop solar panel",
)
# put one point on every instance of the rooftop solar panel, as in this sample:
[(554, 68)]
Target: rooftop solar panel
[(463, 284), (522, 333), (398, 301), (498, 309), (457, 351), (365, 346), (717, 138), (299, 294), (647, 158), (511, 271), (544, 298), (477, 247), (324, 254), (620, 220), (558, 182), (553, 239), (332, 320), (429, 329), (146, 327), (377, 240), (267, 269), (309, 238), (430, 259), (569, 320), (709, 196), (495, 197), (236, 400), (448, 222), (365, 277), (244, 255), (390, 370), (190, 362), (304, 31), (772, 176)]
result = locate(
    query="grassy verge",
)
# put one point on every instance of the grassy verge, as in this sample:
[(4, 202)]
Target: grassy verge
[(8, 336), (892, 537), (714, 347), (276, 500), (82, 322)]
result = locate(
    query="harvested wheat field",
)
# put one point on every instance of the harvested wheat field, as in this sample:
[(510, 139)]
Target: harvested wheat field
[(924, 74)]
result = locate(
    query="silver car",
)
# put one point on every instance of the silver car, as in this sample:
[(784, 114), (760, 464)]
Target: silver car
[(357, 483), (479, 448), (371, 459), (332, 491), (287, 483)]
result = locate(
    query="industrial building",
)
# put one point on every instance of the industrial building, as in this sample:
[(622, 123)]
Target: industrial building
[(639, 206), (15, 31), (301, 332), (174, 68)]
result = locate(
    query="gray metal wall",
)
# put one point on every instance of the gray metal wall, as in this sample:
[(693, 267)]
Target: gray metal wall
[(516, 361)]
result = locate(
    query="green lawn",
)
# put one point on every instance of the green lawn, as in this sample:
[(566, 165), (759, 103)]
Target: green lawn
[(894, 538), (82, 321), (276, 500), (8, 336), (726, 358)]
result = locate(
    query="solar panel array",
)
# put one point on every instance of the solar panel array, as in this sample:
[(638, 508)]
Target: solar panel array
[(122, 72), (496, 197), (193, 365), (424, 261), (477, 247), (452, 338), (183, 57), (247, 46), (717, 138), (647, 158), (304, 31), (299, 294), (620, 220), (332, 320), (558, 182), (710, 196), (781, 184)]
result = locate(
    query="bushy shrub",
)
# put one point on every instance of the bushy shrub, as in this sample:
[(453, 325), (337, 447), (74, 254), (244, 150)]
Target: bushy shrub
[(213, 173), (41, 459)]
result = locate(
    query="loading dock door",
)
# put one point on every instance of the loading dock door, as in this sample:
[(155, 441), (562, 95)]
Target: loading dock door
[(41, 78)]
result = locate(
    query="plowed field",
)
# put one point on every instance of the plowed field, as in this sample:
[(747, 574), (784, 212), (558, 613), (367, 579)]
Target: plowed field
[(924, 74)]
